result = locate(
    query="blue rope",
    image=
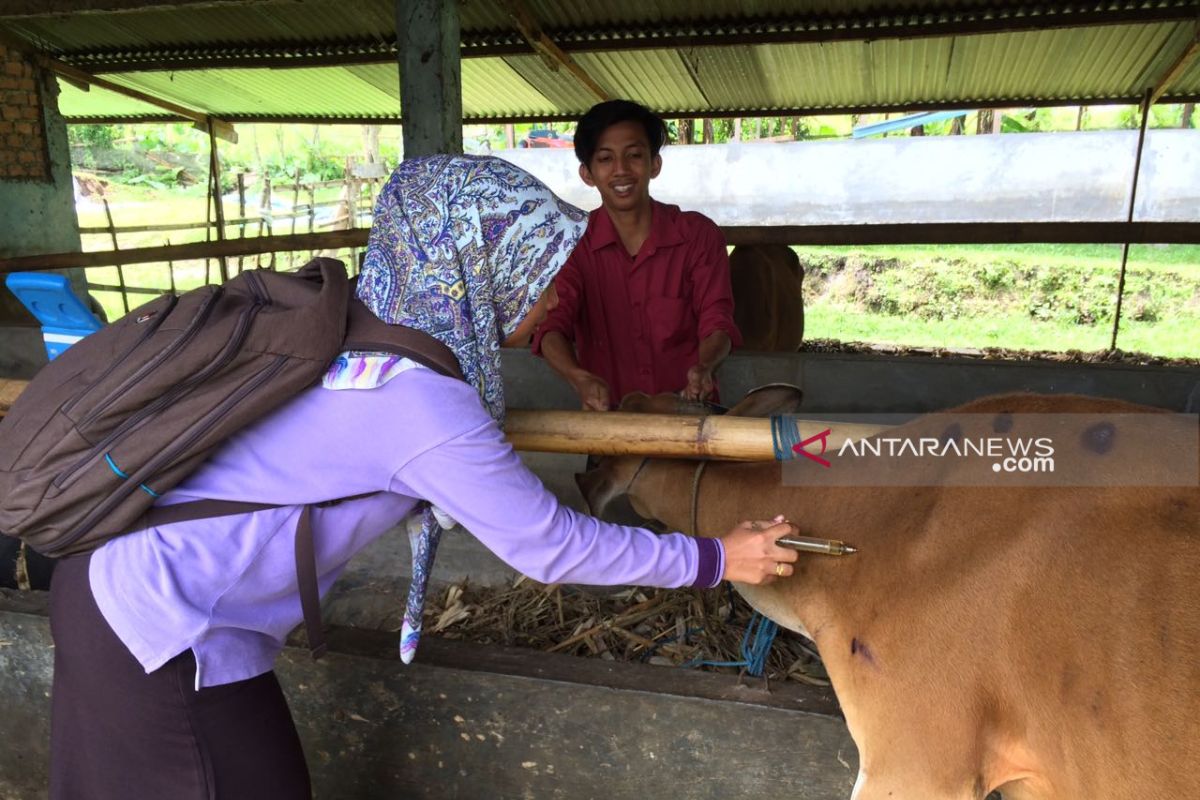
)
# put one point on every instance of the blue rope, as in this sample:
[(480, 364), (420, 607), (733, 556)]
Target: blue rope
[(756, 646), (785, 435)]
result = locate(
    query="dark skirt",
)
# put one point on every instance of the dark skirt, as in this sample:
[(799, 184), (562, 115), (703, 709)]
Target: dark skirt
[(117, 733)]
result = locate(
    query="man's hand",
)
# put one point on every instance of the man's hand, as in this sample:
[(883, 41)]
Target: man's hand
[(592, 391), (699, 383)]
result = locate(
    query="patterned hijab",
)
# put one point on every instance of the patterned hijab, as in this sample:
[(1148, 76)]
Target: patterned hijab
[(461, 248)]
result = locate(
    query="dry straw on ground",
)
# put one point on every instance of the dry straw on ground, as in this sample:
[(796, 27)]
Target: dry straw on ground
[(676, 627)]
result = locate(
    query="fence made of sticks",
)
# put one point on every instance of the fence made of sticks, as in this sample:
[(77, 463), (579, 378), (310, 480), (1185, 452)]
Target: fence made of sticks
[(281, 207)]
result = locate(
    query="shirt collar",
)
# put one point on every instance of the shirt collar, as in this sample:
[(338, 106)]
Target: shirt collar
[(665, 230)]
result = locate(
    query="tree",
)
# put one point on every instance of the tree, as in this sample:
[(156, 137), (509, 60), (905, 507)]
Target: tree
[(709, 136), (685, 131), (1185, 119)]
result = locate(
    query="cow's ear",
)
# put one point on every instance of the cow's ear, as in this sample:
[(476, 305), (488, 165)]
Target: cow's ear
[(774, 398)]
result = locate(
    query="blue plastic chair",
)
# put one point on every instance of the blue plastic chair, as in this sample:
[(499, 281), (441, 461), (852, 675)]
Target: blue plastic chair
[(65, 318)]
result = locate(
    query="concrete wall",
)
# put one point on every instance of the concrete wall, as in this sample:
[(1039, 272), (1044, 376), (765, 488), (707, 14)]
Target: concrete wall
[(1045, 177), (37, 204), (889, 384)]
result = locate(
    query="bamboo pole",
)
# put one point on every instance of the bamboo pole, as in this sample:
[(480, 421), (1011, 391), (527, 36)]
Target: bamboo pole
[(214, 171), (662, 435), (623, 433)]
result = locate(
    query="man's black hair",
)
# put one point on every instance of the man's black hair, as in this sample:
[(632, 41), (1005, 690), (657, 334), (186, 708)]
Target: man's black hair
[(603, 116)]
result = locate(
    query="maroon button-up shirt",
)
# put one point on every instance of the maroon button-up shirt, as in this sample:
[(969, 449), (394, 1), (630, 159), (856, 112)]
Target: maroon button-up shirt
[(637, 321)]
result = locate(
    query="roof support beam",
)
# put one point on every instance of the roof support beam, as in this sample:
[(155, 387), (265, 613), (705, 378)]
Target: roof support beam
[(350, 119), (14, 9), (427, 37), (545, 47), (199, 119), (1177, 68), (85, 80)]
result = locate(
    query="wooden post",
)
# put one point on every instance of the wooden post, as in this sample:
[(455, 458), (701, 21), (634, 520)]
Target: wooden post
[(510, 136), (171, 266), (428, 40), (241, 189), (737, 129), (1137, 168), (295, 199), (214, 169), (112, 232), (266, 203)]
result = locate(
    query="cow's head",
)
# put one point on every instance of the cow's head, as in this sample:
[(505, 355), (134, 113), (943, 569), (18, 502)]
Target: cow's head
[(608, 483)]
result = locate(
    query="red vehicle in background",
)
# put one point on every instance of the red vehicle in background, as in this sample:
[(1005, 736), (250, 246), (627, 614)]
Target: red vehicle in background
[(544, 137)]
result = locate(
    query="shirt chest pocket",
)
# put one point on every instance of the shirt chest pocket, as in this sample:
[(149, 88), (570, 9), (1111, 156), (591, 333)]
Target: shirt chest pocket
[(671, 321)]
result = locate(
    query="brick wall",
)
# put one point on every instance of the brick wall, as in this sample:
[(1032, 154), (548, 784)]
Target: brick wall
[(23, 152)]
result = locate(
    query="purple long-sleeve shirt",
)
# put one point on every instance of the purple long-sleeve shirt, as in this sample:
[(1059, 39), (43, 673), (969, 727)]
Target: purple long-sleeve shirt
[(226, 587)]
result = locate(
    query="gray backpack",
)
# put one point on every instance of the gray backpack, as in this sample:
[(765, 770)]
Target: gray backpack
[(128, 412)]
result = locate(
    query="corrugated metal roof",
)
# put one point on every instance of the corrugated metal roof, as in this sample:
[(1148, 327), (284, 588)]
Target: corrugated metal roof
[(1089, 63), (657, 79), (492, 88), (332, 20)]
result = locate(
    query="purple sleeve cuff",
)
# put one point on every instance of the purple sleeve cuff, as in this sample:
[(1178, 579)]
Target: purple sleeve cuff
[(711, 563)]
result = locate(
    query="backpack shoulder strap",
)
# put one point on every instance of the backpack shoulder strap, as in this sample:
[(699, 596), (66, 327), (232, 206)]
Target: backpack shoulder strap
[(365, 331)]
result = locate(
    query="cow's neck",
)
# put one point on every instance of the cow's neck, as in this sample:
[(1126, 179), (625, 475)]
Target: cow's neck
[(824, 590), (728, 494)]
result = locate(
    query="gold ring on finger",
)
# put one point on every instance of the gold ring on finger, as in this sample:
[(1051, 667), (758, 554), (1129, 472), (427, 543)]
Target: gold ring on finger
[(780, 568)]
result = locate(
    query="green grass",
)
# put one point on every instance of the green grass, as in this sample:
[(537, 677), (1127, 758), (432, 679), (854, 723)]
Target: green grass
[(1171, 339), (1067, 255), (1026, 297)]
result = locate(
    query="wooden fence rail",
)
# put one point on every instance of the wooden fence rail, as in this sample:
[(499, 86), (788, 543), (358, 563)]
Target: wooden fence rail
[(947, 233)]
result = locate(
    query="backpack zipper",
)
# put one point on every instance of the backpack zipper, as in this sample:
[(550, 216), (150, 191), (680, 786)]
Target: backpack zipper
[(188, 334), (133, 483), (226, 355), (146, 334)]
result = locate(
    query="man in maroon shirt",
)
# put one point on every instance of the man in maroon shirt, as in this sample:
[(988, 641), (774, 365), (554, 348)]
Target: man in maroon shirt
[(644, 302)]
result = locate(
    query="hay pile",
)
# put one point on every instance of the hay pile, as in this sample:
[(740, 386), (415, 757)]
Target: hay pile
[(667, 627)]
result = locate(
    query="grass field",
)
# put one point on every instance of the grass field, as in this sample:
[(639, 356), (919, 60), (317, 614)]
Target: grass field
[(1026, 297)]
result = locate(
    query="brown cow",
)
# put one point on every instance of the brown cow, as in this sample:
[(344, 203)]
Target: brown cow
[(768, 305), (1043, 642)]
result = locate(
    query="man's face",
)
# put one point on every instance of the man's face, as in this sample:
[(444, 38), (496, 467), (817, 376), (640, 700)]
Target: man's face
[(622, 167)]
